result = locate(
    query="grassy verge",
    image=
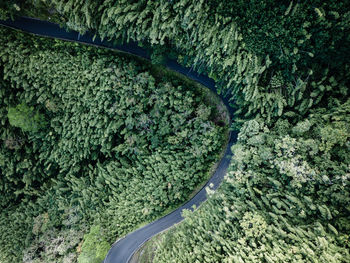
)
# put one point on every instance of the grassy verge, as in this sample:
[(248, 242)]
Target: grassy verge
[(146, 253)]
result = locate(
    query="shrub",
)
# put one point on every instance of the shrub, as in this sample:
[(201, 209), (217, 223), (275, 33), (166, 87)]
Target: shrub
[(95, 247), (26, 118)]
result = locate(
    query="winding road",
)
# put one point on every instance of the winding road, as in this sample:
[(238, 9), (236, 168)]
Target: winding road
[(124, 248)]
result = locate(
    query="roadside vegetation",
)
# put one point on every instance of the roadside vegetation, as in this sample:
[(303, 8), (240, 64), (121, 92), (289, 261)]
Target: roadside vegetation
[(284, 65), (94, 143)]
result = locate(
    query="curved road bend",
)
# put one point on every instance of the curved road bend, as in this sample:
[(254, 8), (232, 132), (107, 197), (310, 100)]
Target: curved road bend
[(124, 248)]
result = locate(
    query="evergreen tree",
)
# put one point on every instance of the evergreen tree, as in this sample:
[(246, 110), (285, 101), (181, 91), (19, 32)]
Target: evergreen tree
[(26, 118)]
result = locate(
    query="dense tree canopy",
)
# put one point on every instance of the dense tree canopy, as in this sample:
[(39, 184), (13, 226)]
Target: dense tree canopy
[(285, 199), (268, 56), (118, 142), (25, 117), (283, 64)]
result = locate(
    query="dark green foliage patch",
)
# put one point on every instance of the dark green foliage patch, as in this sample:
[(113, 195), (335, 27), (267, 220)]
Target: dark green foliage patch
[(118, 148)]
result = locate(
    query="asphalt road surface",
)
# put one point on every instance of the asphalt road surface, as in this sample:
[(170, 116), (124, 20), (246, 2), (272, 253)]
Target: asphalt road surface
[(124, 248)]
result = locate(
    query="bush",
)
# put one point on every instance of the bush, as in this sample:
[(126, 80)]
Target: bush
[(95, 247), (26, 118)]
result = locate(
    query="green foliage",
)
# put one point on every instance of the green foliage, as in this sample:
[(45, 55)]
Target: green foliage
[(8, 8), (94, 248), (49, 244), (158, 56), (285, 199), (283, 64), (271, 57), (253, 225), (119, 143), (41, 9), (25, 117)]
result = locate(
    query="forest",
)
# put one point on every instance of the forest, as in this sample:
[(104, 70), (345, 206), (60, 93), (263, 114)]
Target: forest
[(284, 65), (94, 143)]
